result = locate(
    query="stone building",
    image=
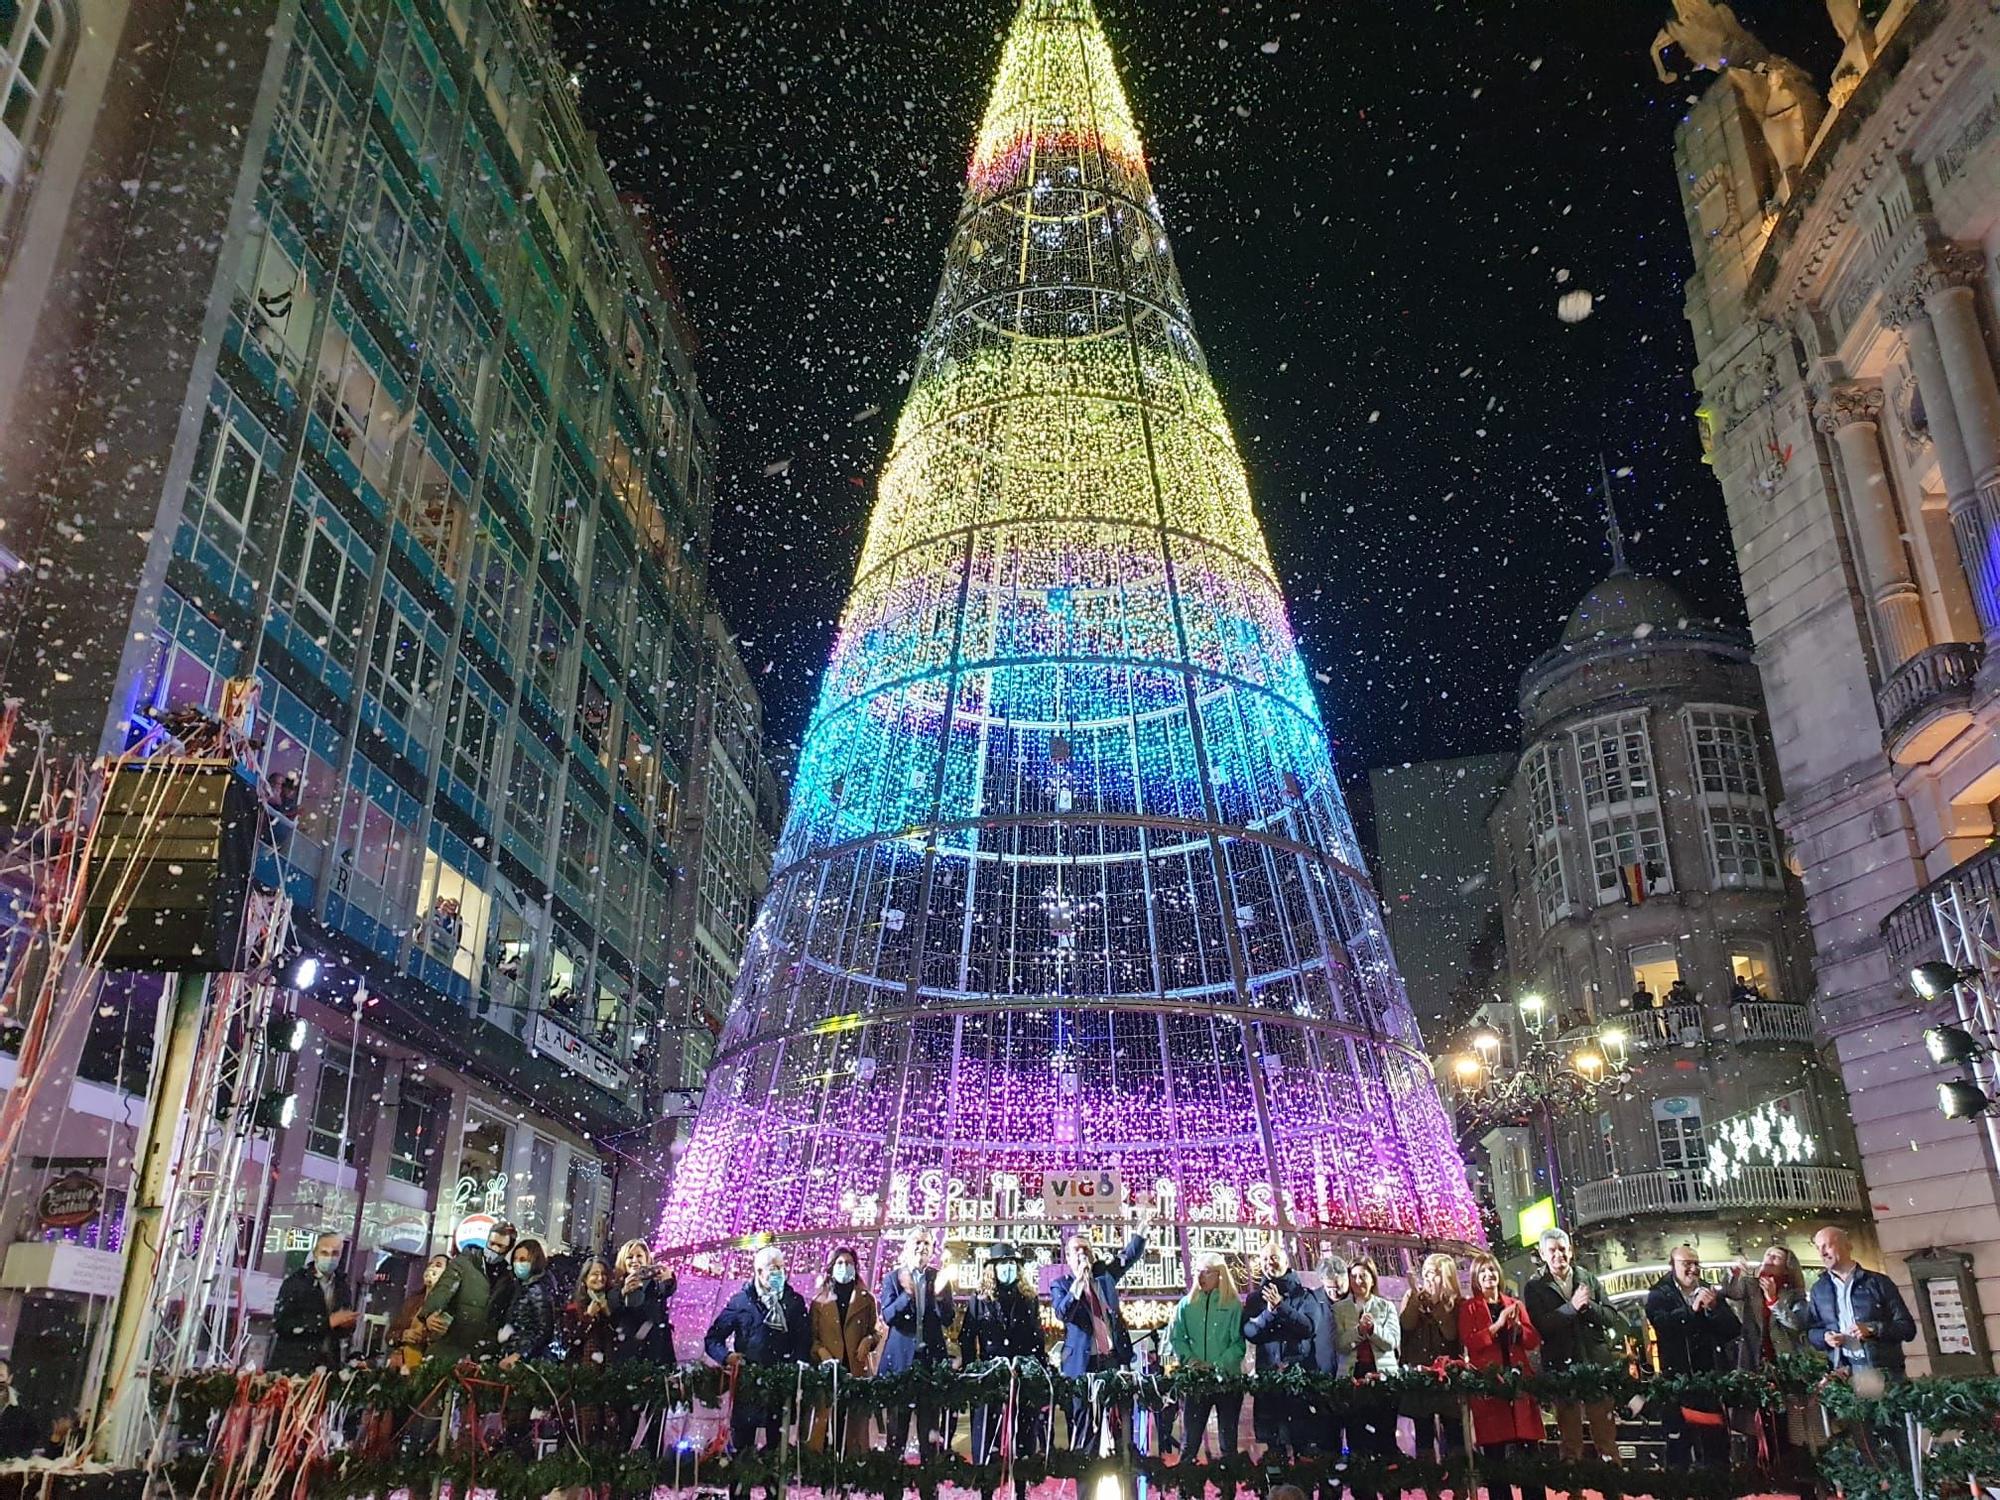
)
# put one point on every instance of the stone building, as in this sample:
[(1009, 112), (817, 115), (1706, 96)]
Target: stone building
[(331, 361), (1846, 322), (1649, 913)]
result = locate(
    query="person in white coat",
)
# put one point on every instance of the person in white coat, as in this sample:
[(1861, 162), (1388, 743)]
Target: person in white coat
[(1369, 1336)]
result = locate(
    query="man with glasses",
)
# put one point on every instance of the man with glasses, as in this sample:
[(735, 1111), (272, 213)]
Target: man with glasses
[(1697, 1330)]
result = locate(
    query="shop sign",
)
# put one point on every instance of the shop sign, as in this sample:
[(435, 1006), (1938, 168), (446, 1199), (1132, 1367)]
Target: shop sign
[(1068, 1196), (71, 1201), (553, 1039)]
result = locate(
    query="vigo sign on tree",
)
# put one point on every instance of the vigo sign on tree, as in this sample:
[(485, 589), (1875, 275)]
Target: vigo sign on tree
[(1071, 1196), (1067, 881)]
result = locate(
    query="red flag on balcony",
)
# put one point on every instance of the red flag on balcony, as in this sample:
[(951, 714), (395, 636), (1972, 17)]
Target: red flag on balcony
[(1634, 876)]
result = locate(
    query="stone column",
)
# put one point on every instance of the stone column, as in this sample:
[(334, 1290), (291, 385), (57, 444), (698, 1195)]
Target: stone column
[(1850, 414), (1967, 370)]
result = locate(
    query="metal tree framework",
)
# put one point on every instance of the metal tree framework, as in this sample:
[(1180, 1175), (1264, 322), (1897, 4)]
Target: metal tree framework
[(1067, 881)]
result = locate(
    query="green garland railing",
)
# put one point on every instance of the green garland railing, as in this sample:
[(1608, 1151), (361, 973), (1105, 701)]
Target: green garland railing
[(1960, 1420)]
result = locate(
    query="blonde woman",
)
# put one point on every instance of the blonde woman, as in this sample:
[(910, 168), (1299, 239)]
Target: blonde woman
[(641, 1298), (1206, 1333), (1429, 1317)]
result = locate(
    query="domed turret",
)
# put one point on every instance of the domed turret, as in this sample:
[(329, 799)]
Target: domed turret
[(1626, 604)]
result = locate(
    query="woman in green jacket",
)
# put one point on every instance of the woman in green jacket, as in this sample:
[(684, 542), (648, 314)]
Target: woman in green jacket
[(1206, 1334)]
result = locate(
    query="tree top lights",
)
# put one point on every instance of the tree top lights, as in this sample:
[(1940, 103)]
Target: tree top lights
[(1067, 882)]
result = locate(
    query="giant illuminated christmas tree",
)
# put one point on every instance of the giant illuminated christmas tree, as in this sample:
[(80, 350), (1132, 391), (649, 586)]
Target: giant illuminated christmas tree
[(1067, 882)]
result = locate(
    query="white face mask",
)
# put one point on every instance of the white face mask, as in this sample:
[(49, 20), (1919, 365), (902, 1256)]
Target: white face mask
[(843, 1272)]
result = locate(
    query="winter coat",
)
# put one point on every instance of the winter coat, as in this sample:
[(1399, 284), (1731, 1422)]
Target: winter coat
[(1595, 1336), (306, 1338), (1878, 1302), (587, 1340), (743, 1324), (642, 1325), (1207, 1329), (406, 1334), (1386, 1339), (1281, 1337), (1430, 1334), (531, 1319), (916, 1319), (1782, 1322), (1319, 1303), (1007, 1325), (1072, 1308), (1690, 1342), (852, 1340), (1495, 1419), (19, 1436), (461, 1294), (500, 1291)]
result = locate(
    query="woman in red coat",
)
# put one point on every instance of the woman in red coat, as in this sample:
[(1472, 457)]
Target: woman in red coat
[(1498, 1336)]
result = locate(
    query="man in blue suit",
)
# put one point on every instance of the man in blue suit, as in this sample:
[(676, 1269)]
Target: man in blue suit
[(1858, 1316), (917, 1311), (1095, 1339)]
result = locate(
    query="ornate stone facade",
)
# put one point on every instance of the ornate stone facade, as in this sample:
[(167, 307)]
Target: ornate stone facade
[(1846, 363)]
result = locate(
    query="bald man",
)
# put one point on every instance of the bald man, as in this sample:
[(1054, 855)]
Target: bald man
[(1859, 1320)]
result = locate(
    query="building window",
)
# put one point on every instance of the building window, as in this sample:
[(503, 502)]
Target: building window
[(362, 413), (407, 669), (1677, 1129), (1552, 884), (326, 1130), (329, 588), (530, 787), (1751, 976), (312, 129), (472, 732), (228, 472), (498, 581), (275, 299), (32, 38), (1655, 971), (1735, 810), (421, 1115), (452, 912), (1621, 803)]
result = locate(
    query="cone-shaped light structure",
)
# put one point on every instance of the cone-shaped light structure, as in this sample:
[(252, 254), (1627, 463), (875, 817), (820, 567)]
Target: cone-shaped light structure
[(1067, 883)]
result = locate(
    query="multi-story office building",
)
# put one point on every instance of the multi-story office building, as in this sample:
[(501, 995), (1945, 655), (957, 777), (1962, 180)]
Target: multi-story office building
[(1846, 315), (330, 359), (1649, 913), (730, 817)]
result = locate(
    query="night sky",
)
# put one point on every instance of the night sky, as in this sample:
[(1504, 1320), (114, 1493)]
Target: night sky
[(1375, 207)]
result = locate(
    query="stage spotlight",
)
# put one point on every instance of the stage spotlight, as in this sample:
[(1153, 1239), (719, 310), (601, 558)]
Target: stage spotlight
[(305, 973), (1937, 978), (1950, 1045), (1962, 1099), (285, 1033), (275, 1111)]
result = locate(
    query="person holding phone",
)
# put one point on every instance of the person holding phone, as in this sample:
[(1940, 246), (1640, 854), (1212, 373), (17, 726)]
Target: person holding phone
[(642, 1296)]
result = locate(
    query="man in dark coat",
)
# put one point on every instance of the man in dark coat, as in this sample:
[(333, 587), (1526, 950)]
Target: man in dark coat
[(314, 1316), (1095, 1338), (916, 1311), (455, 1310), (1697, 1331), (18, 1437), (1858, 1318), (500, 1283), (766, 1323), (1578, 1326), (1278, 1327), (1005, 1325)]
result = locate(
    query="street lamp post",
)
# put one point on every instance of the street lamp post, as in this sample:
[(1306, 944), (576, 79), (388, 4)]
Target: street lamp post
[(1549, 1080)]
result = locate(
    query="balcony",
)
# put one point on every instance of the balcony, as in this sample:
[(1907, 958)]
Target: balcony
[(1911, 929), (1927, 701), (1827, 1189), (1776, 1022), (1666, 1026)]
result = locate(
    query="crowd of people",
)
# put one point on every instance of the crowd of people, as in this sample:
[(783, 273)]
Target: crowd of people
[(495, 1298)]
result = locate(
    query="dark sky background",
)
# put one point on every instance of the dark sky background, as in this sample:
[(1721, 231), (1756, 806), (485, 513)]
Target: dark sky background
[(1375, 205)]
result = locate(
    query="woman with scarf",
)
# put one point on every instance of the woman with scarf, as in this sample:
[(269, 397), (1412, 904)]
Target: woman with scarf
[(1498, 1336), (846, 1331), (764, 1325)]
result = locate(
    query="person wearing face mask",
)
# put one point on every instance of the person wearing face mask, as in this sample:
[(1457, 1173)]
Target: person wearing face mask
[(1003, 1322), (844, 1332), (313, 1316), (407, 1336), (530, 1329), (499, 1275), (766, 1323), (917, 1309), (17, 1428), (1095, 1338)]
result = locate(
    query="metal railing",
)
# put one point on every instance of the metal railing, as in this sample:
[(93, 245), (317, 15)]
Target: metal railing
[(1665, 1026), (1835, 1188), (1935, 677), (1911, 929), (1771, 1021)]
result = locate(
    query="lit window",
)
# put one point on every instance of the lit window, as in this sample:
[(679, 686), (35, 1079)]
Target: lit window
[(1628, 839), (1735, 811), (1751, 976), (452, 913)]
